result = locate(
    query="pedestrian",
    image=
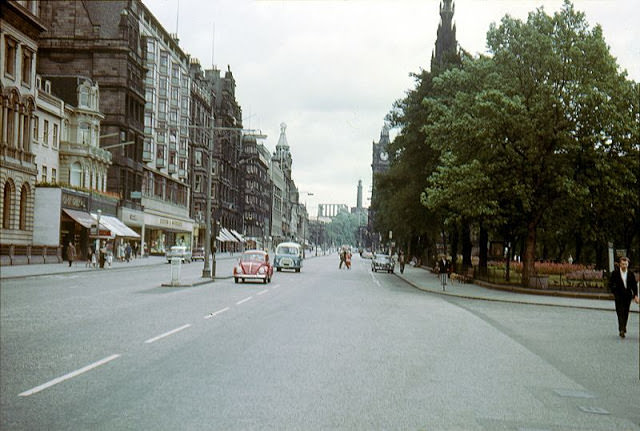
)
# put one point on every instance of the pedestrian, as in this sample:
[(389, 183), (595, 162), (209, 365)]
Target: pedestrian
[(443, 270), (624, 286), (71, 253), (343, 258), (401, 261), (127, 252)]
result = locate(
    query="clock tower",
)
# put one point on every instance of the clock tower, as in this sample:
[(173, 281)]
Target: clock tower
[(380, 162)]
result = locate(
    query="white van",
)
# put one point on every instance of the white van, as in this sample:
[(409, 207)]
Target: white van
[(288, 256)]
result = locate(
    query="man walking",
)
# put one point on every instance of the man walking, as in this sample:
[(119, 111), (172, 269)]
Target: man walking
[(624, 286), (71, 253)]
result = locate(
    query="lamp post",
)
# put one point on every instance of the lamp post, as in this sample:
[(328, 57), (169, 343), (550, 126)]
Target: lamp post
[(99, 213)]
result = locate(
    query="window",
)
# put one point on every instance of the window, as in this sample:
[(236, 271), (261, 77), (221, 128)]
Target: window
[(36, 128), (55, 136), (6, 208), (85, 134), (197, 183), (75, 174), (43, 177), (54, 175), (24, 199), (198, 158), (10, 56), (83, 96), (45, 133), (27, 62)]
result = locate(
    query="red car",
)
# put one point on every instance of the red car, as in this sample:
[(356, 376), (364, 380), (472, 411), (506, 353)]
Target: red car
[(253, 265)]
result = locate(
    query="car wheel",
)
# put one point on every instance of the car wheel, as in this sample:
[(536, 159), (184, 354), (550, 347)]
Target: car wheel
[(264, 280), (235, 279), (297, 269), (278, 269)]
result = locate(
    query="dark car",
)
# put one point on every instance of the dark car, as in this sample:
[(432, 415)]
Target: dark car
[(197, 253), (382, 262)]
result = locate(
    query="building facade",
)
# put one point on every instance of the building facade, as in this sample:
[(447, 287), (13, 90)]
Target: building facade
[(257, 186), (165, 184), (20, 28)]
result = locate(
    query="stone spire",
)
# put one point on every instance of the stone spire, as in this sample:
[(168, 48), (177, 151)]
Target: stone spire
[(446, 49), (282, 154)]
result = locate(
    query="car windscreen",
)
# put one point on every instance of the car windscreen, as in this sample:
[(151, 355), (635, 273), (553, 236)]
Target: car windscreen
[(287, 250), (252, 258)]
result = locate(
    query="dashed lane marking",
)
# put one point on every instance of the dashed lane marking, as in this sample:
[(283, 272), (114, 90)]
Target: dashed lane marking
[(166, 334), (215, 313), (242, 301), (68, 376)]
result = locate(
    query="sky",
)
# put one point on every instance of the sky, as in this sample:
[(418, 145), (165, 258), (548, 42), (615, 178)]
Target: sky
[(332, 69)]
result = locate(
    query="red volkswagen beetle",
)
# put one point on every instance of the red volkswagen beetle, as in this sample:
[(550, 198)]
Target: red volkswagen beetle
[(253, 265)]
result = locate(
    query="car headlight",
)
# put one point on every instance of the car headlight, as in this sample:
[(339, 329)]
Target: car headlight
[(262, 270)]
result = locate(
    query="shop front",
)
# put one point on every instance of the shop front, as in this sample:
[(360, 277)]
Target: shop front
[(162, 232)]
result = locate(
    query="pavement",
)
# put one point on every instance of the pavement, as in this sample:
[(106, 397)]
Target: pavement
[(419, 277)]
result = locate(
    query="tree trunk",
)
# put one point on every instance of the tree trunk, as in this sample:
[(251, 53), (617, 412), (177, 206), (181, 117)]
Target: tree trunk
[(529, 258), (483, 241), (466, 246)]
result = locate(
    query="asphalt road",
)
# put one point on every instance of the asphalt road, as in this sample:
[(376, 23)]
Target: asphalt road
[(320, 349)]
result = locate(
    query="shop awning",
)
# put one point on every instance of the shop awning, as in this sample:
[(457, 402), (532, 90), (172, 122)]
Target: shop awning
[(117, 227), (238, 235), (81, 217), (228, 235)]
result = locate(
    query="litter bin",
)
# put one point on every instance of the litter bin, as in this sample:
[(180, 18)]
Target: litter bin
[(176, 264)]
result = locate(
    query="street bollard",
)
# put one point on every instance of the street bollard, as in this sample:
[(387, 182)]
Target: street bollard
[(176, 264)]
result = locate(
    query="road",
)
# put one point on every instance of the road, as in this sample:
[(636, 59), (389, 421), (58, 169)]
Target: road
[(320, 349)]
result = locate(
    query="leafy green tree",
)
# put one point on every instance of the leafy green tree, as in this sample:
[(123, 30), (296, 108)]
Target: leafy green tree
[(517, 131)]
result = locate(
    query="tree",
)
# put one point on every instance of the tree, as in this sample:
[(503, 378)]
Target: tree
[(547, 105)]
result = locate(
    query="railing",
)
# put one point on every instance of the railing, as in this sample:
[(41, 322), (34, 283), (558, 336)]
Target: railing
[(14, 254)]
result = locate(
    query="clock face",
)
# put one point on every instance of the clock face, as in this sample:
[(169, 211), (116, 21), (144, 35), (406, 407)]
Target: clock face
[(384, 156)]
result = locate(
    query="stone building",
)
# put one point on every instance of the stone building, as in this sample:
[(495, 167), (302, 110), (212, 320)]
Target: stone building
[(20, 28), (257, 188), (227, 179), (143, 74), (200, 157)]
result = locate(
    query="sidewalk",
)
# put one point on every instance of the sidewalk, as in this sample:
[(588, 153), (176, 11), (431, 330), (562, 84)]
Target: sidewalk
[(423, 279), (21, 271)]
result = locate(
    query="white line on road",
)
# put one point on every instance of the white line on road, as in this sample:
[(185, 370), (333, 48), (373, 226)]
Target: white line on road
[(166, 334), (242, 301), (68, 376), (209, 316), (262, 292)]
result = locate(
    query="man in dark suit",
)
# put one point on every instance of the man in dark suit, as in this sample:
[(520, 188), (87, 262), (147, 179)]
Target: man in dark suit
[(624, 286)]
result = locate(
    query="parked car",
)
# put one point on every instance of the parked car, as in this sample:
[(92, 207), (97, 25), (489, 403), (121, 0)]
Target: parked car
[(253, 265), (197, 253), (382, 262), (288, 256), (366, 254), (179, 251)]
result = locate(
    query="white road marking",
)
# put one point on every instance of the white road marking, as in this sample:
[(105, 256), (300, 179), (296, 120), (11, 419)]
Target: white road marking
[(244, 300), (68, 376), (375, 280), (166, 334), (262, 292), (209, 316)]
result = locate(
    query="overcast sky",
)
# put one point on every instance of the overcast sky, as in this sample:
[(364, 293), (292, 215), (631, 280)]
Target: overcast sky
[(331, 70)]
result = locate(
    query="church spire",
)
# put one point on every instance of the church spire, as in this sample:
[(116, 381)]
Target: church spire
[(446, 49)]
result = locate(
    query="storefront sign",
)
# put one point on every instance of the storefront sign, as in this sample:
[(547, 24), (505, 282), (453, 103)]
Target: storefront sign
[(74, 201)]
